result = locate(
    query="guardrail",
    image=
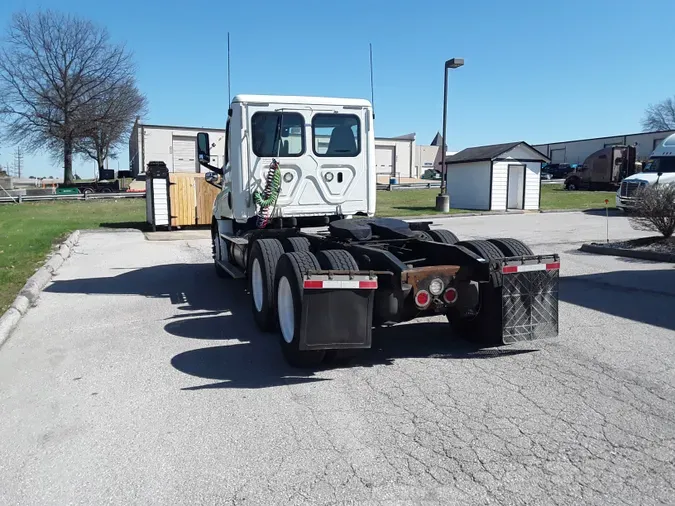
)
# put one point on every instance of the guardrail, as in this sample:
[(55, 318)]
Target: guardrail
[(408, 186), (19, 199)]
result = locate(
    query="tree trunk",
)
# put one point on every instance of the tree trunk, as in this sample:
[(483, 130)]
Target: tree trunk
[(101, 168), (67, 161)]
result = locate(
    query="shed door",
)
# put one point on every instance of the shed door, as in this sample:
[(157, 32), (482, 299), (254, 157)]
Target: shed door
[(385, 157), (516, 187), (184, 154)]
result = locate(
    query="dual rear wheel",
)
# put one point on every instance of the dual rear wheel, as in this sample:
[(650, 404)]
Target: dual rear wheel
[(275, 278)]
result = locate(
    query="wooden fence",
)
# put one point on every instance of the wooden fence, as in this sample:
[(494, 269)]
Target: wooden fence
[(191, 199)]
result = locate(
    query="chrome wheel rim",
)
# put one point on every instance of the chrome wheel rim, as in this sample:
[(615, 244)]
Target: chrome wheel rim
[(286, 310), (257, 285)]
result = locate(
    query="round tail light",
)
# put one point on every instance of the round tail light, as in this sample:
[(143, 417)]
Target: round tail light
[(450, 296), (436, 287), (422, 299)]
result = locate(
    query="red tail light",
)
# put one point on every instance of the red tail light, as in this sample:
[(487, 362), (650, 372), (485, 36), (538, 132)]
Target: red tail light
[(450, 296), (422, 299)]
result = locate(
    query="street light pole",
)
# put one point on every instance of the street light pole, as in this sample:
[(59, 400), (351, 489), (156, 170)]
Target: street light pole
[(443, 199)]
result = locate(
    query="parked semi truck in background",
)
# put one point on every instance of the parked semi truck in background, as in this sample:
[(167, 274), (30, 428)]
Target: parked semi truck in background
[(604, 169), (295, 216), (659, 169)]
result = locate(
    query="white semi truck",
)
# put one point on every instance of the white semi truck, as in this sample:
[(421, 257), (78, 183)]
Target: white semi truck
[(295, 216), (659, 169)]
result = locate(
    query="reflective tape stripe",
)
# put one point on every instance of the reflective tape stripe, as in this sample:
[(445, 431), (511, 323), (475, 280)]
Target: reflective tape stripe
[(333, 284), (511, 269)]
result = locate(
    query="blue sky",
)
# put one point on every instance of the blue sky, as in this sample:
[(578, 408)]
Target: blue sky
[(534, 71)]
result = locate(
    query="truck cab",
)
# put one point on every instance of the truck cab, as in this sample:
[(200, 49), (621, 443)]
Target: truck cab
[(603, 169), (324, 149), (659, 169)]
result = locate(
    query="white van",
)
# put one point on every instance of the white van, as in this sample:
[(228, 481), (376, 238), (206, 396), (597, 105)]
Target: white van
[(660, 169)]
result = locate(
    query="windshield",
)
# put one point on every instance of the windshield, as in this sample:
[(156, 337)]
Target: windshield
[(666, 164)]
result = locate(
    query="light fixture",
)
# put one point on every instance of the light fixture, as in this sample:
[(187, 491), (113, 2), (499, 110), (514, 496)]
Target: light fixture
[(288, 177), (436, 286), (450, 295), (422, 299), (328, 176)]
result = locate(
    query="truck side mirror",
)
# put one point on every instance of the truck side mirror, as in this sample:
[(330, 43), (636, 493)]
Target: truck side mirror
[(203, 148)]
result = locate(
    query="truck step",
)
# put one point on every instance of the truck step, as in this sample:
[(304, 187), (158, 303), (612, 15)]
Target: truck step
[(232, 270), (235, 239)]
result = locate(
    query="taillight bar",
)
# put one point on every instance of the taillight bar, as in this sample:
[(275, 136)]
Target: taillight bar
[(512, 269)]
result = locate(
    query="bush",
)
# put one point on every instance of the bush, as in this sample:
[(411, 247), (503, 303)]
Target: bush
[(655, 209)]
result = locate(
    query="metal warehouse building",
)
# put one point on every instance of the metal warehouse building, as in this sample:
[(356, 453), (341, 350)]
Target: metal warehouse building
[(174, 145), (577, 151), (177, 147)]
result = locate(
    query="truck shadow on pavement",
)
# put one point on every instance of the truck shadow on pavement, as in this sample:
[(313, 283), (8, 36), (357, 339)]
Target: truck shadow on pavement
[(238, 355), (646, 296)]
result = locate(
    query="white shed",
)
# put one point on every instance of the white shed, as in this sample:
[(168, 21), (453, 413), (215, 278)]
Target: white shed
[(496, 177)]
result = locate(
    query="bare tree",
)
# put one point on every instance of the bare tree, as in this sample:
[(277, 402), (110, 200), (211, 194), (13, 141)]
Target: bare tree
[(655, 209), (53, 68), (660, 116), (117, 110)]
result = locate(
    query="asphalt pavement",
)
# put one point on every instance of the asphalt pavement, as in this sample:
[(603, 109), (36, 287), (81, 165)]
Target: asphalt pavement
[(140, 378)]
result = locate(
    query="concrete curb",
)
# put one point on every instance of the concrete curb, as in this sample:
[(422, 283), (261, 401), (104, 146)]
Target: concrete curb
[(34, 286), (497, 213), (456, 215), (619, 252)]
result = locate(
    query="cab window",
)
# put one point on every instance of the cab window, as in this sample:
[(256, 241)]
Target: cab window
[(278, 134), (336, 135)]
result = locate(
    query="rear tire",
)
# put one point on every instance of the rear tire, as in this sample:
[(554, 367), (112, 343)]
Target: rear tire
[(443, 236), (512, 247), (485, 327), (336, 260), (262, 264), (289, 293), (422, 235), (295, 244)]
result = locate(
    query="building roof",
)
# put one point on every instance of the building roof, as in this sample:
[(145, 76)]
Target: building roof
[(406, 137), (282, 99), (487, 153), (438, 139), (653, 132)]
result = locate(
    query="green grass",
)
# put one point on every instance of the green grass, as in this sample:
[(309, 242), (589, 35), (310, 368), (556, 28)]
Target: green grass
[(554, 196), (29, 230), (423, 202), (409, 203)]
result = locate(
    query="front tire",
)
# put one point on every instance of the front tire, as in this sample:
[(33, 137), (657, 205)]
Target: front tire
[(262, 264), (572, 185), (289, 292)]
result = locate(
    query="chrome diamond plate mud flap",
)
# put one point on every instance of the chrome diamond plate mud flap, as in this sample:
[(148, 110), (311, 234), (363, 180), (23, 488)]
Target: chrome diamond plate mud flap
[(530, 298)]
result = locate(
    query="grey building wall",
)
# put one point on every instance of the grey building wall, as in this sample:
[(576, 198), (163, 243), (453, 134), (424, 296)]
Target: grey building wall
[(577, 151)]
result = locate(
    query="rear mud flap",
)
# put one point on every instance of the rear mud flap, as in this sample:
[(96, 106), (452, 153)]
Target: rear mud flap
[(336, 319), (530, 303)]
